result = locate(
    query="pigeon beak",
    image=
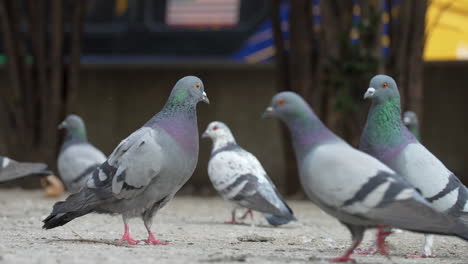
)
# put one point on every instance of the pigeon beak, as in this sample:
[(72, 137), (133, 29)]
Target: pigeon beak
[(205, 135), (62, 125), (268, 112), (369, 93), (205, 98)]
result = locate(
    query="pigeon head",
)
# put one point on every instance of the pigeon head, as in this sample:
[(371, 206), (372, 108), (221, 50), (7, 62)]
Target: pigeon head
[(218, 131), (215, 130), (381, 89), (306, 129), (288, 106), (410, 118), (188, 91), (74, 126)]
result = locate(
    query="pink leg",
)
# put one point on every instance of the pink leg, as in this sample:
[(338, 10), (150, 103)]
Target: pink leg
[(126, 237), (233, 219), (381, 235), (346, 256), (249, 212), (153, 241)]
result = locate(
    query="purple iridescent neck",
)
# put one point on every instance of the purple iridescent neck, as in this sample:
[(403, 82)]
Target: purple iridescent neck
[(387, 152), (181, 125), (307, 132)]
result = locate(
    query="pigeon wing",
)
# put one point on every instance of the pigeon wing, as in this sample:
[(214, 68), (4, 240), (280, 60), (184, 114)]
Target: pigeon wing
[(132, 166)]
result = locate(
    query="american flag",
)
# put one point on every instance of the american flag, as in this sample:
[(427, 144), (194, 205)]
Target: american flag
[(202, 13)]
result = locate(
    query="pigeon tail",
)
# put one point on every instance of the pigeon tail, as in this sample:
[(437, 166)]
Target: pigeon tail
[(279, 220), (76, 205)]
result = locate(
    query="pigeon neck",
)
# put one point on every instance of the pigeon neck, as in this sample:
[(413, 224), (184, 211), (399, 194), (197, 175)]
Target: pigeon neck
[(307, 132), (180, 122), (384, 134), (222, 141), (414, 129), (77, 134)]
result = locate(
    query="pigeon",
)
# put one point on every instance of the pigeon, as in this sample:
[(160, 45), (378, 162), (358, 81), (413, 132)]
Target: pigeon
[(239, 177), (77, 158), (146, 169), (11, 169), (389, 140), (410, 119), (351, 185)]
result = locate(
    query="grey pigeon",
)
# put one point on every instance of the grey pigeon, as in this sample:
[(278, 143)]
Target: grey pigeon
[(351, 185), (410, 119), (387, 138), (239, 177), (11, 169), (77, 158), (146, 169)]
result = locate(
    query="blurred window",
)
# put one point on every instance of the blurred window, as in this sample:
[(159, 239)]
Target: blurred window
[(202, 13)]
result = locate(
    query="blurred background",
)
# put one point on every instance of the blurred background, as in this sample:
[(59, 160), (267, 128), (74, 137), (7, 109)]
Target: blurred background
[(114, 62)]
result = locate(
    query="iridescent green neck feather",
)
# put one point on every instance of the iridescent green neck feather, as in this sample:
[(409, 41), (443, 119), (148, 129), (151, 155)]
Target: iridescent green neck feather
[(77, 133), (383, 123)]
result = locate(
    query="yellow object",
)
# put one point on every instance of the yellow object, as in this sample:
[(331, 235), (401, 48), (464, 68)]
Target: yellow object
[(53, 186), (446, 30), (121, 7)]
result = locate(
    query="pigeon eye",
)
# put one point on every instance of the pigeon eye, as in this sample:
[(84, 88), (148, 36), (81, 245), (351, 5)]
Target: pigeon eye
[(197, 85), (281, 102), (215, 128), (384, 85)]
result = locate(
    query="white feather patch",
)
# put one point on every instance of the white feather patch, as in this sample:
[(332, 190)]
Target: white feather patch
[(335, 172), (371, 200), (424, 171), (102, 176), (5, 162)]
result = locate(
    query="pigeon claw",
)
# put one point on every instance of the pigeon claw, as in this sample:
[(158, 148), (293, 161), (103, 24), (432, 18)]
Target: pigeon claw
[(129, 240), (153, 241)]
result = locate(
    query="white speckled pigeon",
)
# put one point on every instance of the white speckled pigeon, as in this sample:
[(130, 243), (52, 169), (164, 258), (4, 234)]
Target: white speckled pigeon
[(387, 138), (11, 169), (146, 169), (351, 185), (240, 178), (77, 158)]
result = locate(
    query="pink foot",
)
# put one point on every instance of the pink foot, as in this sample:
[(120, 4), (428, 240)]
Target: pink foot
[(126, 237), (153, 241), (369, 251), (341, 259), (420, 255), (129, 240)]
